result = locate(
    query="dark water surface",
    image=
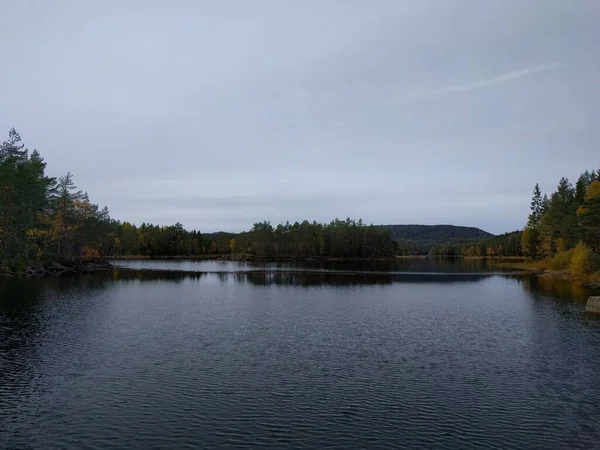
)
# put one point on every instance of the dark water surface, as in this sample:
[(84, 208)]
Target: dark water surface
[(274, 359), (410, 265)]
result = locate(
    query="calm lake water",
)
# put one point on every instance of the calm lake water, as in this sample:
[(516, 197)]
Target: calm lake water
[(226, 355), (411, 265)]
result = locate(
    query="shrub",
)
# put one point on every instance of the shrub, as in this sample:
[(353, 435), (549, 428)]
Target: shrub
[(583, 260), (562, 260)]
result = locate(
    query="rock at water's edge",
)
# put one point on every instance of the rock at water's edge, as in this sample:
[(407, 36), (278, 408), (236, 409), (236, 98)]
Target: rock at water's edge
[(94, 266), (34, 271), (593, 305), (55, 267)]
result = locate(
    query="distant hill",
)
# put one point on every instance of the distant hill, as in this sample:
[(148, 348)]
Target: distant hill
[(428, 236)]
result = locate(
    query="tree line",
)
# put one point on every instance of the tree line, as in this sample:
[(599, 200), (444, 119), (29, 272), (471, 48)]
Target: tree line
[(566, 222), (337, 239), (563, 228), (49, 219), (571, 215)]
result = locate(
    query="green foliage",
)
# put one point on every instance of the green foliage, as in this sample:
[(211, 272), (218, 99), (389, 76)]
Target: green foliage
[(507, 244), (338, 239), (571, 215), (153, 240), (538, 204), (559, 221), (23, 195), (530, 242), (588, 216)]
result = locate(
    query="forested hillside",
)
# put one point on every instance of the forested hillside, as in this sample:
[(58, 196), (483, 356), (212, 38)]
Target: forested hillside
[(421, 239), (436, 234)]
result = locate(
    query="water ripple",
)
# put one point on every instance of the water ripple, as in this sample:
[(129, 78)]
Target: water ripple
[(198, 364)]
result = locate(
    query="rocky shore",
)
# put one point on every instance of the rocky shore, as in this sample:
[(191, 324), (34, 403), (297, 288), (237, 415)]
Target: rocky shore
[(592, 285), (60, 268)]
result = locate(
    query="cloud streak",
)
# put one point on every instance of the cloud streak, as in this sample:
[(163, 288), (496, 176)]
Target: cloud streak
[(488, 82)]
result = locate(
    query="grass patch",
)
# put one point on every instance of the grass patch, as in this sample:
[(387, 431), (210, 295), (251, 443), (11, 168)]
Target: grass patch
[(528, 265)]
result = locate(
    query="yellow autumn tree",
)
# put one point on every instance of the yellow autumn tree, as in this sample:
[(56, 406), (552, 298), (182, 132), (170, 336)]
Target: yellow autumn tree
[(530, 242), (582, 260)]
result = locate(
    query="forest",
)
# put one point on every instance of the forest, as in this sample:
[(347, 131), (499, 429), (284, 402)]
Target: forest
[(421, 239), (563, 229), (44, 219)]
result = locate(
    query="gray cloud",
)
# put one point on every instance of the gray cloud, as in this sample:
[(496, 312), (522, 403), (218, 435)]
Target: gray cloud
[(220, 114)]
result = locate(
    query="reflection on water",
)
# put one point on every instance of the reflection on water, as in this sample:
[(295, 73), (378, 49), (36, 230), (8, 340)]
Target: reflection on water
[(295, 359), (556, 288), (300, 278), (417, 265)]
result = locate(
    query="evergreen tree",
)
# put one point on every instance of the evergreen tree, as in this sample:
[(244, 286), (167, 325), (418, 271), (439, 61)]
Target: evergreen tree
[(537, 208), (23, 196), (588, 216), (582, 184), (64, 204)]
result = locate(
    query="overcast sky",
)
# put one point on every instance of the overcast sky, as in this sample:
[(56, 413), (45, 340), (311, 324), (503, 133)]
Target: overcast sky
[(218, 114)]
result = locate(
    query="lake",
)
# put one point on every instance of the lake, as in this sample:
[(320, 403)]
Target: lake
[(183, 354)]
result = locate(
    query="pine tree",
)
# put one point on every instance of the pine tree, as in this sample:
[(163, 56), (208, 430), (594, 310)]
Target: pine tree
[(582, 184), (12, 148), (23, 194), (537, 208), (545, 203), (64, 204)]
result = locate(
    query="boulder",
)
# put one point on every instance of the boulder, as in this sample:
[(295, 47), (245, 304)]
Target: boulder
[(33, 271), (593, 305), (92, 266), (56, 267)]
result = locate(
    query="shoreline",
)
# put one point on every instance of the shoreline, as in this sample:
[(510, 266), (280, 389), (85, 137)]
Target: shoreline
[(55, 268), (248, 257), (541, 269)]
